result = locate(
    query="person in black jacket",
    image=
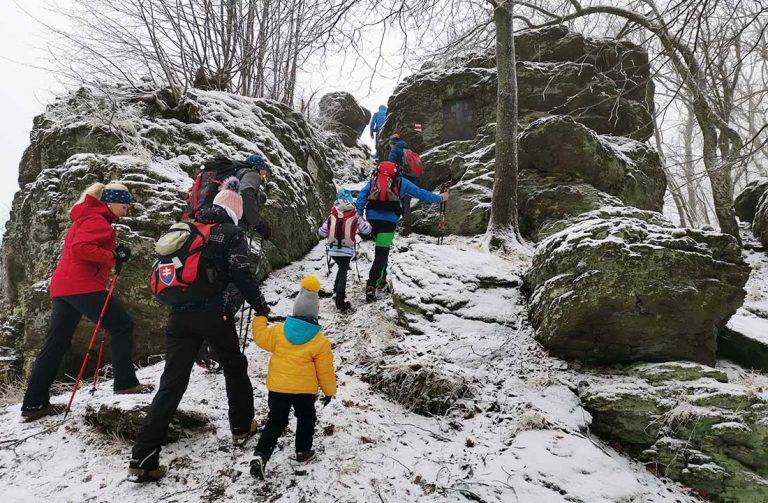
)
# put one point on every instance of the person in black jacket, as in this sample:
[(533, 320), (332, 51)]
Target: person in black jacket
[(211, 321)]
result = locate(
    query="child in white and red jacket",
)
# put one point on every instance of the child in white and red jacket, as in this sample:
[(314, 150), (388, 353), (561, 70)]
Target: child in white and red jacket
[(340, 230)]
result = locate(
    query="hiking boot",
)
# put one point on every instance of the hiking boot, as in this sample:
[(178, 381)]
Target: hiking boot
[(304, 456), (35, 413), (258, 465), (140, 475), (139, 389), (370, 293), (242, 438)]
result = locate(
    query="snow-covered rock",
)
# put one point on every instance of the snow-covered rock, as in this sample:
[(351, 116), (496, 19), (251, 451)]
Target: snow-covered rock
[(622, 284), (566, 170), (95, 135), (688, 422), (340, 113), (748, 199), (559, 72)]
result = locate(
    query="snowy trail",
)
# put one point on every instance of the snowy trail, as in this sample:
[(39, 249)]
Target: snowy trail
[(522, 436)]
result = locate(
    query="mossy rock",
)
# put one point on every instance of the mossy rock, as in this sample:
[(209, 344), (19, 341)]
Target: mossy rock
[(623, 285), (686, 422), (747, 201), (125, 423)]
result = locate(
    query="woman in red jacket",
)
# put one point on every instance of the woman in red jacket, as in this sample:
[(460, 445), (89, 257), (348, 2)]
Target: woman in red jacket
[(78, 288)]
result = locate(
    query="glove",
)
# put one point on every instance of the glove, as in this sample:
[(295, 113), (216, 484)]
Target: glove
[(262, 310), (326, 400), (263, 229), (122, 254)]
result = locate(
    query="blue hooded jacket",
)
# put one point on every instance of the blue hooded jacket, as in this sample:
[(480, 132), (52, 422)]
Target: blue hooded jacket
[(300, 330), (378, 119), (397, 151), (407, 188)]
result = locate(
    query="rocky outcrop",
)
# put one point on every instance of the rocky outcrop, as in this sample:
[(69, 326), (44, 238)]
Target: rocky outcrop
[(760, 222), (602, 84), (86, 137), (566, 170), (340, 113), (687, 422), (621, 284), (560, 147), (747, 201), (124, 421)]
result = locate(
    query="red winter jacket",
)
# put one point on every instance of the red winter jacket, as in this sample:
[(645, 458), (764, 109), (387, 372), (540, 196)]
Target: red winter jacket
[(88, 253)]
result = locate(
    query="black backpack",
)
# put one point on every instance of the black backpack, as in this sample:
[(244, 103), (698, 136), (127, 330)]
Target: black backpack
[(208, 181)]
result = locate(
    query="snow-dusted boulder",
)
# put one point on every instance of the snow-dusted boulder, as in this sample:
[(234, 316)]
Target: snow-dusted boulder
[(747, 201), (687, 422), (89, 136), (622, 284), (341, 113), (604, 85), (566, 170), (559, 146), (760, 222)]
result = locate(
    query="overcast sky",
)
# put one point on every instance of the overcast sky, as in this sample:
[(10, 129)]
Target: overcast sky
[(26, 88)]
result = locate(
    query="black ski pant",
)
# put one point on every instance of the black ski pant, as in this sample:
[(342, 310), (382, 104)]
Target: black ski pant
[(340, 284), (66, 313), (183, 337), (279, 408), (383, 235)]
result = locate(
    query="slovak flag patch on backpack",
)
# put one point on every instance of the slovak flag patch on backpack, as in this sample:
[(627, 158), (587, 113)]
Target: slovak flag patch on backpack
[(167, 273)]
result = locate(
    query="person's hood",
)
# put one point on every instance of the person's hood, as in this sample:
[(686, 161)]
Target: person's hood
[(344, 205), (382, 108), (214, 215), (299, 331), (92, 206)]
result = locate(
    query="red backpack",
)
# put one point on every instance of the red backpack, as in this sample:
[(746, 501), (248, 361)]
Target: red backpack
[(181, 274), (207, 184), (412, 163), (342, 228), (385, 188)]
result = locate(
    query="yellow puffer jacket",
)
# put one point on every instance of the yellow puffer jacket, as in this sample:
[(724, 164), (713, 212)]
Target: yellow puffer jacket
[(302, 359)]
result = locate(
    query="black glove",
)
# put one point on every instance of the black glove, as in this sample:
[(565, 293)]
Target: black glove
[(262, 310), (122, 254), (263, 229), (326, 400)]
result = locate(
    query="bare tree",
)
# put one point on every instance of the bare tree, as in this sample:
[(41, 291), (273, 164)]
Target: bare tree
[(251, 47)]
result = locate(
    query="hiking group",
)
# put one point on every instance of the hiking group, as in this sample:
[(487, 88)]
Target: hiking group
[(202, 272)]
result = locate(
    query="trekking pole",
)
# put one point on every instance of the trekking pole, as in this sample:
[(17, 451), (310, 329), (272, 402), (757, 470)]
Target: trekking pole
[(442, 226), (92, 341), (244, 334)]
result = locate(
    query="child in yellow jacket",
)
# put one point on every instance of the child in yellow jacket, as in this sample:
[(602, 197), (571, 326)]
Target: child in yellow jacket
[(301, 362)]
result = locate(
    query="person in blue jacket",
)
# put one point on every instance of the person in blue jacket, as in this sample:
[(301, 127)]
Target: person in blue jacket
[(384, 221), (377, 123), (397, 148)]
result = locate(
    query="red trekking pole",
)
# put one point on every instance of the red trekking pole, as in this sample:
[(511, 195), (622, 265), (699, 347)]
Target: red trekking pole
[(92, 343)]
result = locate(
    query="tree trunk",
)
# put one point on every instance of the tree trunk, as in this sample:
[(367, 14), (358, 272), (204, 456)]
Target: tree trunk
[(504, 199)]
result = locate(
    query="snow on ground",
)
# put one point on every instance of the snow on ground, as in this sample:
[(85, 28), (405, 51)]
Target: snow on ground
[(751, 320), (521, 436)]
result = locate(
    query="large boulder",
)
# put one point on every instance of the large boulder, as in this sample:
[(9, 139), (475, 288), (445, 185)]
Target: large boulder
[(747, 201), (566, 170), (341, 113), (602, 84), (687, 422), (622, 284), (155, 158), (558, 146), (760, 222)]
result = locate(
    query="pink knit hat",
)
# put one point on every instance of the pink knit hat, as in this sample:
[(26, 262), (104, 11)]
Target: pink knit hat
[(229, 197)]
